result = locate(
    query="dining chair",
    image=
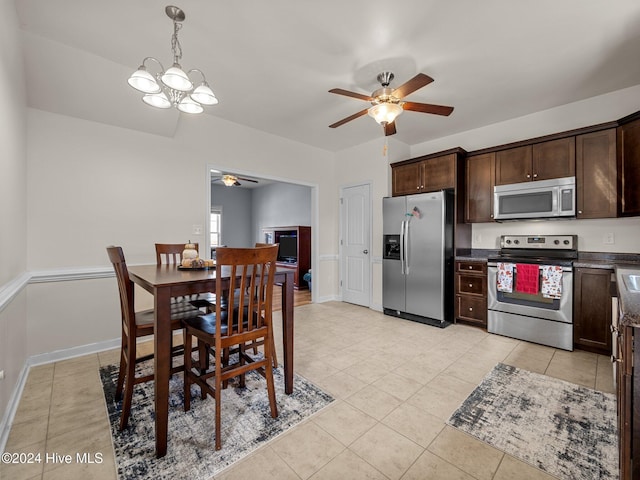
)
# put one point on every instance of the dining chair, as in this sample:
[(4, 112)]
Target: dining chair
[(171, 254), (136, 325), (247, 318)]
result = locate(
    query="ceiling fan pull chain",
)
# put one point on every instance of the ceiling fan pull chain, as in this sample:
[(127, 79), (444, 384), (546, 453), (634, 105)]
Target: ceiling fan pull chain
[(385, 148)]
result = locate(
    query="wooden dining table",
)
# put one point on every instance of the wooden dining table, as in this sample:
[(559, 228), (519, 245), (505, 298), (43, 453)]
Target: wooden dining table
[(167, 281)]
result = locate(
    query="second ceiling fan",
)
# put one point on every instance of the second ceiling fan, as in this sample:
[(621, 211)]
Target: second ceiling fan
[(233, 180), (387, 103)]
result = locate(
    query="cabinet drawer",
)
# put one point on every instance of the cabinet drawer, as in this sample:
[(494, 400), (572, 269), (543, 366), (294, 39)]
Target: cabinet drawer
[(472, 308), (469, 266), (471, 284)]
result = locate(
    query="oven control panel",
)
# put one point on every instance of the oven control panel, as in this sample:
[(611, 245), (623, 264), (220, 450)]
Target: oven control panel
[(546, 242)]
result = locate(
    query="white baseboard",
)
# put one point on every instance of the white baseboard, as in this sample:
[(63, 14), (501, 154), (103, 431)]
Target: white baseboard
[(41, 359), (10, 412)]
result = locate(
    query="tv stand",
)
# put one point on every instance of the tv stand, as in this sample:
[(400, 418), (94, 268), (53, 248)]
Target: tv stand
[(302, 264)]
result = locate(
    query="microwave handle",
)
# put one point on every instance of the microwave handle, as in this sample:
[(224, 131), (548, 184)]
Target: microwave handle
[(556, 200)]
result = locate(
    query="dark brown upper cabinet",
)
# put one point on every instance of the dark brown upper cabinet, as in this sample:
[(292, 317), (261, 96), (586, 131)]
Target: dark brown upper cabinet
[(428, 175), (540, 161), (628, 149), (596, 176), (480, 180)]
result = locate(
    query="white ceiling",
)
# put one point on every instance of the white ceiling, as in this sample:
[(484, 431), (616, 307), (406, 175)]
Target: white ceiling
[(271, 63)]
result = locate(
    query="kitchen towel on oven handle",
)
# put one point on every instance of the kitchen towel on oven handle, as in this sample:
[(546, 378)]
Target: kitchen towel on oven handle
[(551, 281), (527, 278), (504, 277)]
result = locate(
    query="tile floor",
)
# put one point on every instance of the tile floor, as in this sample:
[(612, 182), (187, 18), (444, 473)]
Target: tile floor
[(396, 383)]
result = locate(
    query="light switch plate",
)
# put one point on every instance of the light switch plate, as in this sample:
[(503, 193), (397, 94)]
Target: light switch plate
[(196, 230), (609, 238)]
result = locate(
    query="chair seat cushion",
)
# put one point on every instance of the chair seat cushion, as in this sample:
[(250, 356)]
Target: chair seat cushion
[(207, 323)]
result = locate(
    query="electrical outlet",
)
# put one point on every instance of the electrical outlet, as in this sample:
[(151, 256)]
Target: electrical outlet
[(477, 238), (609, 238), (196, 230)]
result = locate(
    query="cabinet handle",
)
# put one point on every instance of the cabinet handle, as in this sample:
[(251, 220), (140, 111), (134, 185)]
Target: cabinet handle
[(471, 309), (471, 285), (492, 215), (579, 211), (528, 176), (615, 359), (470, 267), (535, 175)]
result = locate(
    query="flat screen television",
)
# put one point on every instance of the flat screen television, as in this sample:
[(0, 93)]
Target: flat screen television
[(288, 251)]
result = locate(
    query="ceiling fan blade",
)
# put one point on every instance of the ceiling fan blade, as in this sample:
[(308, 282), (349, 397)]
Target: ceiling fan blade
[(428, 108), (347, 93), (237, 184), (390, 129), (348, 119), (419, 81), (247, 179)]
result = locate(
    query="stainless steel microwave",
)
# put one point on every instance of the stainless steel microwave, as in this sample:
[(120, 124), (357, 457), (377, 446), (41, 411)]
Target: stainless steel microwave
[(555, 198)]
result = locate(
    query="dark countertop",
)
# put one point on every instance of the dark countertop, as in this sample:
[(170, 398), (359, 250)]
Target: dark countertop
[(475, 254), (605, 260), (628, 301)]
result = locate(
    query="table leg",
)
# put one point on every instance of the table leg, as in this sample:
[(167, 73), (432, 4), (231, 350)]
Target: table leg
[(287, 332), (162, 366)]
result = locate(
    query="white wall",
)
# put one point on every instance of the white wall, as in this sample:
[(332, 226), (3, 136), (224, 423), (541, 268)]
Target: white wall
[(601, 109), (93, 185), (369, 163), (13, 201)]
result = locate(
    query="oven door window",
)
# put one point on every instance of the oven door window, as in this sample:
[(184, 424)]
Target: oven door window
[(535, 202), (528, 299)]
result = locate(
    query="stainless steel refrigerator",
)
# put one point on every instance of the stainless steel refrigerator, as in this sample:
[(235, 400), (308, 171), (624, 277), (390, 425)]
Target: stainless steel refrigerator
[(417, 265)]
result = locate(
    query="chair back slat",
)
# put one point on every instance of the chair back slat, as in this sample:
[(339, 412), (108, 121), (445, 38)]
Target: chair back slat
[(170, 253)]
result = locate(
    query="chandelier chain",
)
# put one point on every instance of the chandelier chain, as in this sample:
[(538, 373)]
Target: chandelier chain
[(176, 48)]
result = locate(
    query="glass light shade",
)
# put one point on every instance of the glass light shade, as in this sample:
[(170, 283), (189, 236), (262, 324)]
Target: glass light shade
[(175, 78), (143, 81), (384, 113), (204, 95), (158, 100), (187, 105), (229, 180)]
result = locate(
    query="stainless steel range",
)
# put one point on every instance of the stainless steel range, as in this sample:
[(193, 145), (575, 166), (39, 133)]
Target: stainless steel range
[(530, 289)]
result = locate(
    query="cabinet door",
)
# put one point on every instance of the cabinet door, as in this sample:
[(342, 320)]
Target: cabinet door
[(554, 159), (481, 177), (596, 174), (629, 167), (513, 165), (438, 173), (592, 310), (406, 179)]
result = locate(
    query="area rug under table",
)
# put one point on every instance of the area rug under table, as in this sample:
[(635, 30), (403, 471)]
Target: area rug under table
[(566, 430), (246, 425)]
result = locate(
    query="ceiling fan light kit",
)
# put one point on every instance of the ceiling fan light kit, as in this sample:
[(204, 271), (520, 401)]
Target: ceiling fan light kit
[(173, 87), (387, 103)]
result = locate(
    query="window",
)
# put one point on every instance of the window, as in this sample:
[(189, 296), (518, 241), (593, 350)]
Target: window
[(216, 226)]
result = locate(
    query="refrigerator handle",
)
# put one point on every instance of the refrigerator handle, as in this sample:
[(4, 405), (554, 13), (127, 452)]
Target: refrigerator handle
[(406, 247), (402, 247)]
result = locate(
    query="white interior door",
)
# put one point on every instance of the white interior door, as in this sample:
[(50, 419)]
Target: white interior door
[(355, 243)]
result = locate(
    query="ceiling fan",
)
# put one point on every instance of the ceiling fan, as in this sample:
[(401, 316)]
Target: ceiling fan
[(387, 103), (233, 180)]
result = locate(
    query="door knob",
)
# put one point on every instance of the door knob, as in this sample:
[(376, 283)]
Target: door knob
[(365, 251)]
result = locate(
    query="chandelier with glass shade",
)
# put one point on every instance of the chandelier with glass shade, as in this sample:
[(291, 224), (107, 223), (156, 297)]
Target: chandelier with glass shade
[(173, 87)]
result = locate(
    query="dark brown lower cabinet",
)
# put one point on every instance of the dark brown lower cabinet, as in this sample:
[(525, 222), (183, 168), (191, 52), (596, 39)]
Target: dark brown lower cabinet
[(592, 310), (471, 292)]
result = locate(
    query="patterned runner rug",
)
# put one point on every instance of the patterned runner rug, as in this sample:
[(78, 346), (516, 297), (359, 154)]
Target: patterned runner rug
[(566, 430), (246, 425)]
